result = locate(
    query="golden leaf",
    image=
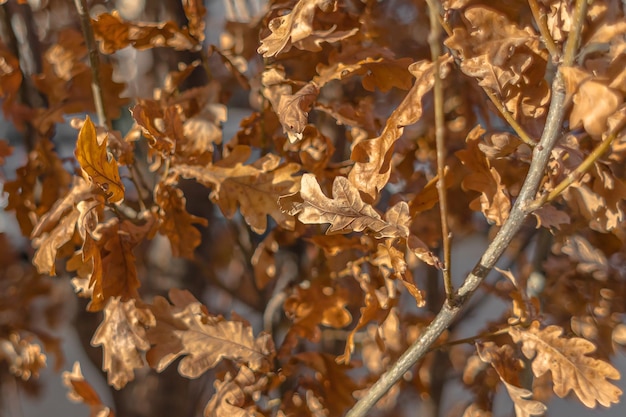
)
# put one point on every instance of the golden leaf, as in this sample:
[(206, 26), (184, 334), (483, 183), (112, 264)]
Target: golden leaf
[(186, 328), (122, 335), (96, 163), (81, 391), (296, 28), (346, 212), (567, 360)]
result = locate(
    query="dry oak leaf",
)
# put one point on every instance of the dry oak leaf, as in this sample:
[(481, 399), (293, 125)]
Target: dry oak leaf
[(316, 303), (293, 110), (383, 73), (24, 359), (255, 188), (588, 259), (372, 157), (332, 384), (346, 212), (57, 226), (195, 13), (114, 34), (122, 335), (118, 277), (296, 29), (81, 391), (594, 100), (96, 163), (567, 360), (187, 329), (494, 200), (231, 398), (495, 49), (508, 367), (176, 223)]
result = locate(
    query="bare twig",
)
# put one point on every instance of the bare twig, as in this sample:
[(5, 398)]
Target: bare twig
[(450, 308), (94, 62), (435, 51), (540, 18)]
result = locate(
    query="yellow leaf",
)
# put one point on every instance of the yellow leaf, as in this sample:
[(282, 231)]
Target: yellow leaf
[(567, 360), (96, 164)]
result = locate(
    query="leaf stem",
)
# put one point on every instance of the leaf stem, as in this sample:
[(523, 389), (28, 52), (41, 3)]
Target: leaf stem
[(94, 62), (451, 308), (440, 132), (540, 19)]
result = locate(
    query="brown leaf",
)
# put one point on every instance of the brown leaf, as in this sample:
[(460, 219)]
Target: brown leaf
[(316, 303), (494, 201), (118, 276), (56, 227), (346, 212), (423, 253), (548, 216), (186, 328), (114, 34), (5, 150), (297, 29), (495, 49), (195, 13), (508, 367), (255, 188), (176, 223), (382, 73), (96, 163), (231, 398), (81, 391), (122, 335), (567, 360), (372, 157), (588, 259), (293, 110), (24, 359), (334, 386)]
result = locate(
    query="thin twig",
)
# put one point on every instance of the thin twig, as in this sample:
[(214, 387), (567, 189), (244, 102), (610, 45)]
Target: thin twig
[(580, 169), (94, 62), (440, 132), (510, 119), (518, 214), (540, 18)]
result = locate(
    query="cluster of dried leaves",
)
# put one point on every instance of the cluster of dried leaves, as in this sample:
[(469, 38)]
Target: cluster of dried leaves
[(328, 226)]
